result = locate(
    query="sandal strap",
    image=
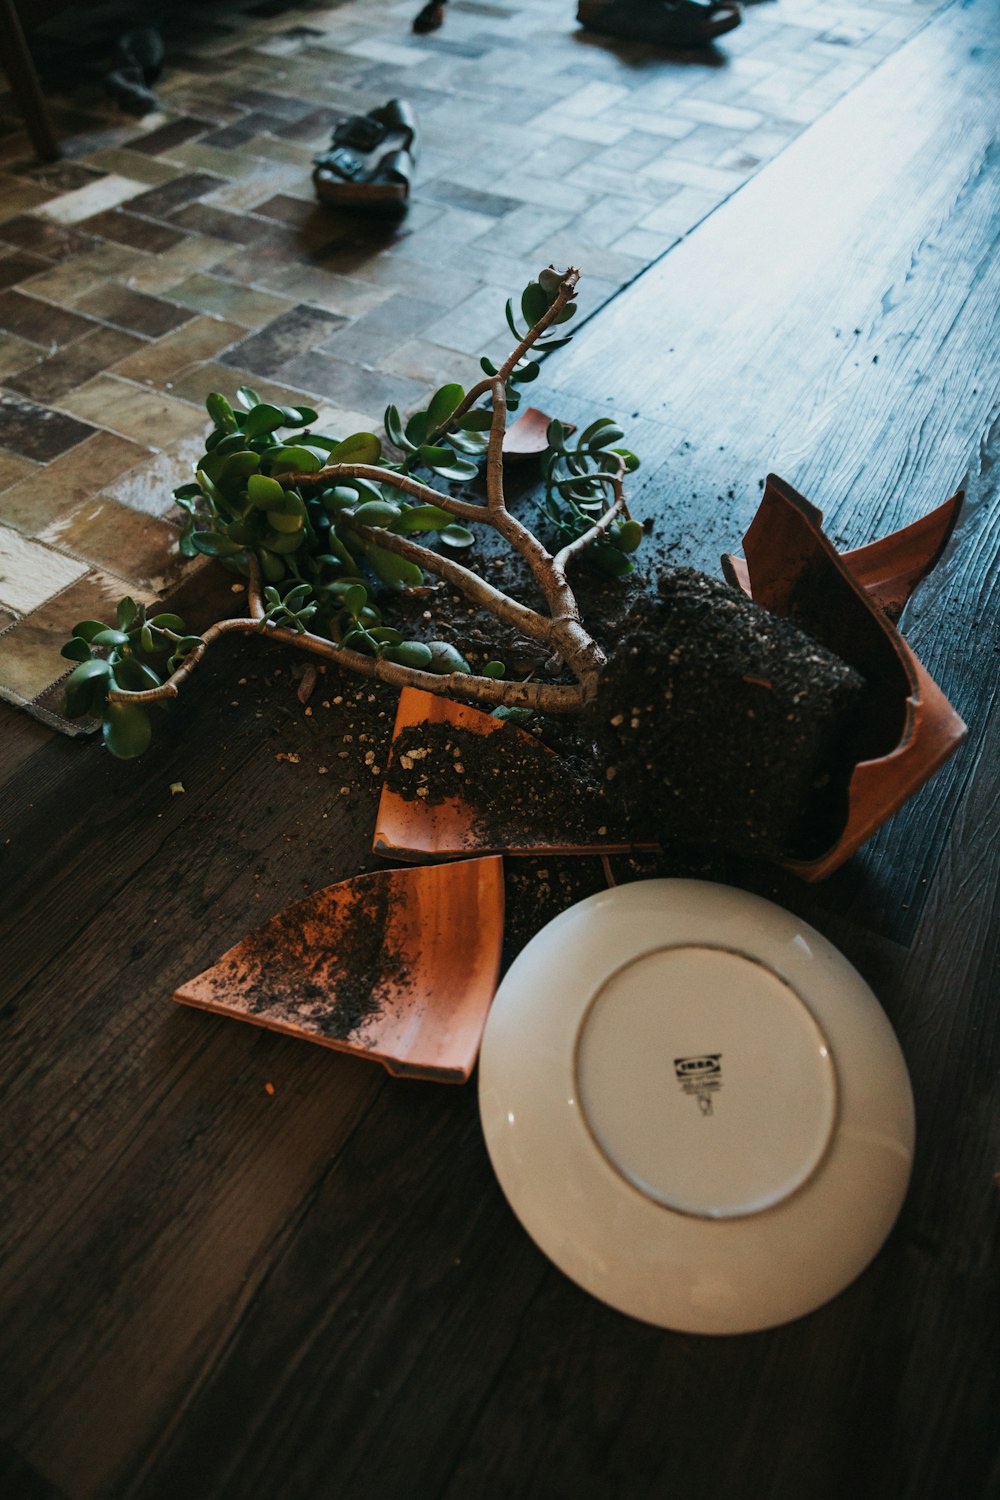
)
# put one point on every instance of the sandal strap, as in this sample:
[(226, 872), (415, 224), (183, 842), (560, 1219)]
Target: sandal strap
[(360, 131)]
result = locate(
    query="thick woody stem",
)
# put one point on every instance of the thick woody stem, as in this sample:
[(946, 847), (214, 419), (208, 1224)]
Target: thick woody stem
[(566, 289), (501, 606), (547, 697), (423, 492)]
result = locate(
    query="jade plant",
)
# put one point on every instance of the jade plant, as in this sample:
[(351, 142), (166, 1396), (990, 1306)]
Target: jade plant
[(324, 529)]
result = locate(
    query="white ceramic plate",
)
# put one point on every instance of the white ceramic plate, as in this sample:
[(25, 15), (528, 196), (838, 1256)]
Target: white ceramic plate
[(696, 1106)]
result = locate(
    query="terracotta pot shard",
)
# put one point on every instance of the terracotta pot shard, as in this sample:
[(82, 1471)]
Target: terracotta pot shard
[(848, 602), (528, 436), (399, 966), (415, 829)]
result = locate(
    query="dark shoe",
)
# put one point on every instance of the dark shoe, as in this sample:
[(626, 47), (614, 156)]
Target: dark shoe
[(371, 160), (666, 23), (430, 18)]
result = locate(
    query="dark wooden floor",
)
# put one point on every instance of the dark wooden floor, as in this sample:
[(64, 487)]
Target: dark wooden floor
[(208, 1291)]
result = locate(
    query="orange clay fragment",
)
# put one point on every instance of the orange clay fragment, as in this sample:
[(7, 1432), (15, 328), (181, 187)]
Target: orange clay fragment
[(419, 829), (399, 966)]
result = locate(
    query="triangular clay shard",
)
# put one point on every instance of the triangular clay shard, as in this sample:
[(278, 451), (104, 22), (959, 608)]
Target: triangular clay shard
[(400, 966)]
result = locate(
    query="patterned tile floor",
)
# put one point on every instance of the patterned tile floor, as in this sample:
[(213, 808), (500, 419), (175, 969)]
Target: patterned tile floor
[(167, 257)]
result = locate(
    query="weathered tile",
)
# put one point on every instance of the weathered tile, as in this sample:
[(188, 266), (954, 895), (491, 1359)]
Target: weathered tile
[(59, 176), (161, 273), (32, 431), (18, 266), (237, 303), (13, 470), (47, 381), (295, 332), (348, 384), (107, 192), (371, 338), (127, 163), (31, 573), (125, 228), (172, 134), (54, 241), (41, 496), (124, 541), (150, 485), (346, 296), (134, 411), (475, 200), (135, 311), (160, 202), (202, 338), (203, 218), (17, 196), (17, 354), (287, 210), (195, 381), (72, 279)]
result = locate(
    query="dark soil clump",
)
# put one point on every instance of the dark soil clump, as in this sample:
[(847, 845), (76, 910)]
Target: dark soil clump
[(518, 790), (723, 724), (717, 723)]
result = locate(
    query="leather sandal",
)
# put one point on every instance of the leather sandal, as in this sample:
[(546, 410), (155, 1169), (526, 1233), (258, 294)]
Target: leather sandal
[(371, 160), (667, 23), (430, 18)]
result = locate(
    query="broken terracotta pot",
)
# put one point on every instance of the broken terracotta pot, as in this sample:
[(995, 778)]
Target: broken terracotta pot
[(412, 829), (528, 436), (908, 728), (399, 966)]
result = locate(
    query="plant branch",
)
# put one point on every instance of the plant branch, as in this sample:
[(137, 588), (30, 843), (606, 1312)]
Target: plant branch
[(501, 606), (566, 289), (617, 508), (463, 509)]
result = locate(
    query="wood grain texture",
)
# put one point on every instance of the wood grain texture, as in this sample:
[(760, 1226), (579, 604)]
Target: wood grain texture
[(215, 1293)]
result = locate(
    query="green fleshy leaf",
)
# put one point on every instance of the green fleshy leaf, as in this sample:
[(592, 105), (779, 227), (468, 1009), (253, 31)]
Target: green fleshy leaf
[(457, 536), (127, 730), (417, 428), (110, 637), (263, 492), (494, 669), (396, 572), (167, 622), (455, 468), (411, 654), (215, 544), (239, 466), (443, 404), (477, 420), (221, 412), (76, 650), (86, 688), (446, 658), (87, 629), (534, 304), (422, 518), (247, 397), (302, 460), (359, 448), (134, 676), (393, 424), (126, 612), (263, 418), (377, 513)]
